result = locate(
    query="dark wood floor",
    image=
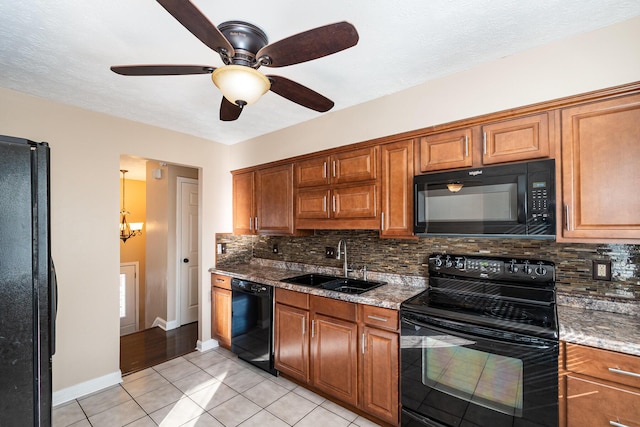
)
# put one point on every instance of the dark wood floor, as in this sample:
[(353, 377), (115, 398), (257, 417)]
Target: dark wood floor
[(150, 347)]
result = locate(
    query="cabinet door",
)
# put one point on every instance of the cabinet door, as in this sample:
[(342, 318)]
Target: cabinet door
[(524, 138), (221, 316), (447, 150), (354, 202), (599, 403), (397, 189), (334, 357), (380, 373), (312, 172), (274, 200), (243, 203), (354, 165), (313, 204), (292, 342), (600, 173)]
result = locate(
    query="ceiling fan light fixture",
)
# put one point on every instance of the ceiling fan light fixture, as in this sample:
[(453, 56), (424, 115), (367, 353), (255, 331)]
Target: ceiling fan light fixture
[(240, 84)]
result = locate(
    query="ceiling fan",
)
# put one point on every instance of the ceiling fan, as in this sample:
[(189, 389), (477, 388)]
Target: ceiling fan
[(244, 48)]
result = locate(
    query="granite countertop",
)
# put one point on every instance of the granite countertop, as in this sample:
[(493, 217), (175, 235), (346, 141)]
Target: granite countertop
[(397, 289), (616, 329)]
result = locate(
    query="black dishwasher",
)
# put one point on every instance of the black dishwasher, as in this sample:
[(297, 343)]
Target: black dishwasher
[(252, 323)]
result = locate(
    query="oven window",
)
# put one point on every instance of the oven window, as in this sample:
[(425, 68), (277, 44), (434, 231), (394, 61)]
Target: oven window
[(486, 379), (497, 202)]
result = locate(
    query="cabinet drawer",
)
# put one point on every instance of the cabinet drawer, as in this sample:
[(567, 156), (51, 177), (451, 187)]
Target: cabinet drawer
[(334, 308), (609, 365), (292, 298), (221, 281), (379, 317), (594, 403)]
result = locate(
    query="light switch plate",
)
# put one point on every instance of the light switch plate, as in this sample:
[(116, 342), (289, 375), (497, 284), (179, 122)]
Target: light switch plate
[(601, 269)]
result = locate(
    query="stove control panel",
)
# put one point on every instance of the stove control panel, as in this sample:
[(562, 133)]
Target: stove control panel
[(495, 268)]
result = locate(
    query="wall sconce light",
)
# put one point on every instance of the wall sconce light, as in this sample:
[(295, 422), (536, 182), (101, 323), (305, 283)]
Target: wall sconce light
[(454, 187), (127, 230)]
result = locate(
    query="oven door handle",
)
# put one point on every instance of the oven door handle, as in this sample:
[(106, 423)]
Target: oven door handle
[(473, 333)]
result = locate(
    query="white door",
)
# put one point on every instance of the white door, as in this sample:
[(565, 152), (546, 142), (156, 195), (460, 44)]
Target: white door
[(188, 250), (128, 298)]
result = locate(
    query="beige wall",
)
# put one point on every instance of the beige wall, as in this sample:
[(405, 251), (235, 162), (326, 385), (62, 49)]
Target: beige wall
[(596, 60), (85, 156)]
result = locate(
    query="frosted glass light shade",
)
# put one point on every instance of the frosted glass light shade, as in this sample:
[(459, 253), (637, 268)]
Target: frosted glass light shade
[(135, 226), (241, 85)]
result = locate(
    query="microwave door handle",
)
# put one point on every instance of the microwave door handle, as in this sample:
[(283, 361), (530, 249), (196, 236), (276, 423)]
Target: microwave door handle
[(522, 201)]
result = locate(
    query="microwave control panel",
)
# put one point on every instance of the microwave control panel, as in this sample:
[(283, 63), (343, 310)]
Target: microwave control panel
[(541, 195)]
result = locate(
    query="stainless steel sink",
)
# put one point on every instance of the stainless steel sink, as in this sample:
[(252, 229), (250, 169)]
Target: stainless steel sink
[(332, 283)]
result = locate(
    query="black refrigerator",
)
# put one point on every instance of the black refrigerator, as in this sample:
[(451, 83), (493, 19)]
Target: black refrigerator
[(27, 284)]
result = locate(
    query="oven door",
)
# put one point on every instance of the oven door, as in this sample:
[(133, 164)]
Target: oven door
[(455, 374)]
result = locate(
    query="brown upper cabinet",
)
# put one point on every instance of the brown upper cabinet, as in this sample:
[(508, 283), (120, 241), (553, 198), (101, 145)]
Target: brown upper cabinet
[(263, 201), (396, 189), (601, 170), (345, 167), (340, 190), (521, 138)]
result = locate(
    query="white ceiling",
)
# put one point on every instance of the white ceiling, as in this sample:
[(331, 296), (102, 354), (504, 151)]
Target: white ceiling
[(62, 50)]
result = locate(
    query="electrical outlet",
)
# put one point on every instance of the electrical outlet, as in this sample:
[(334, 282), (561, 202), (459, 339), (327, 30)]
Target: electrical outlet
[(275, 248), (222, 248), (601, 269), (329, 252)]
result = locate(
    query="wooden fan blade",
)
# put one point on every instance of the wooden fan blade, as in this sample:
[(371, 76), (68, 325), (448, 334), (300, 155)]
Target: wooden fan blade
[(193, 20), (161, 70), (229, 111), (299, 94), (311, 44)]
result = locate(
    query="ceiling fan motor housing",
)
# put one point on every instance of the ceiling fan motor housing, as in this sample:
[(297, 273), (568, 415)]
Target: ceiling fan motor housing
[(246, 39)]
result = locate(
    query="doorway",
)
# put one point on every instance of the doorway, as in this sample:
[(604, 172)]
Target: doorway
[(160, 248)]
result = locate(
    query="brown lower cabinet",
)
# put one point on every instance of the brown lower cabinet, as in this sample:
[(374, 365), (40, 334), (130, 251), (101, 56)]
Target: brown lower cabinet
[(344, 350), (602, 387), (221, 309)]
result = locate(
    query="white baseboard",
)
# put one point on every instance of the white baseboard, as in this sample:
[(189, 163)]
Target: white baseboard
[(172, 324), (160, 322), (85, 388), (206, 345), (164, 325)]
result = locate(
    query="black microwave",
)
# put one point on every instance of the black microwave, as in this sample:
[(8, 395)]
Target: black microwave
[(512, 200)]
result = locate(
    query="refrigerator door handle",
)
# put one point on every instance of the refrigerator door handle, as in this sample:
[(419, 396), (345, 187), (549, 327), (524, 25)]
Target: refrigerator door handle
[(54, 310)]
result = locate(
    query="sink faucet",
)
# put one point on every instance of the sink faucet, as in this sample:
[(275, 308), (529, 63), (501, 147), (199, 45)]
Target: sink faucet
[(342, 243)]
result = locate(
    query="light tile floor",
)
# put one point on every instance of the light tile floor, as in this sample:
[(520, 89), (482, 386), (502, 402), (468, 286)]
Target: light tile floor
[(214, 388)]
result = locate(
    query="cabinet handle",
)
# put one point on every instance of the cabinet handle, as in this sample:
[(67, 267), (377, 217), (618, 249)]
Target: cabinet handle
[(334, 168), (566, 218), (620, 371), (256, 223), (334, 203), (484, 143), (303, 326), (251, 223), (381, 221), (615, 424), (466, 145), (324, 203), (219, 280), (378, 318), (363, 343), (324, 170), (313, 328)]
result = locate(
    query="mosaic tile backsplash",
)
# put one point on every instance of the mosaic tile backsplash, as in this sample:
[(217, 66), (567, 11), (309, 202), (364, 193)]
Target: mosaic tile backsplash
[(409, 257)]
